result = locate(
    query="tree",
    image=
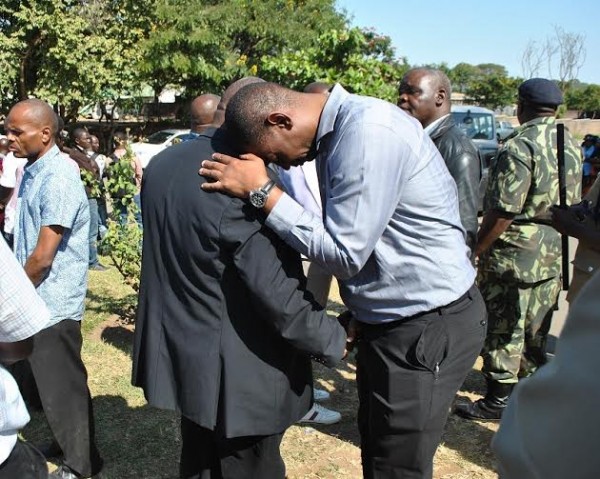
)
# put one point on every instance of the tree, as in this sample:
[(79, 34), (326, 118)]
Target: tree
[(203, 46), (461, 76), (494, 91), (362, 61), (571, 52), (571, 48), (69, 52), (585, 99), (532, 60), (491, 86)]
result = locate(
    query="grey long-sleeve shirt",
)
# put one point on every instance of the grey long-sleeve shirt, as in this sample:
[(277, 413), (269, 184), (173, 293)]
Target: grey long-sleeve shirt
[(391, 231)]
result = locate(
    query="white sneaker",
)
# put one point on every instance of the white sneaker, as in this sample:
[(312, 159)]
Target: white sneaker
[(320, 415), (320, 394)]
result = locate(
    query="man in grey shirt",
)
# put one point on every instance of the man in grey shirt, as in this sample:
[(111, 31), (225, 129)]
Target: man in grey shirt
[(390, 233)]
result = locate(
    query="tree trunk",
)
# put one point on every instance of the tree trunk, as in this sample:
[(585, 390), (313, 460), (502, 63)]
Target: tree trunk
[(25, 66)]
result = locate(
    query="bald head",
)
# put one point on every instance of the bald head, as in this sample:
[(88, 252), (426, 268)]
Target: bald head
[(425, 94), (229, 93), (31, 127), (202, 111)]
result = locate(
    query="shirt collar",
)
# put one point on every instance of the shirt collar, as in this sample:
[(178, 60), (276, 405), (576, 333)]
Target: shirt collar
[(433, 125), (327, 121), (549, 120), (38, 165)]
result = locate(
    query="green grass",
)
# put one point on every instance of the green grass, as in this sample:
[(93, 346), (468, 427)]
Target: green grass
[(140, 442)]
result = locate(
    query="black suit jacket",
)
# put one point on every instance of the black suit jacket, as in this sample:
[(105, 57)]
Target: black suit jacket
[(224, 328)]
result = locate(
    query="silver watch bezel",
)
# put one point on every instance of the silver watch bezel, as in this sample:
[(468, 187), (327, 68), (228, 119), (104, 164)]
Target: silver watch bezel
[(258, 198)]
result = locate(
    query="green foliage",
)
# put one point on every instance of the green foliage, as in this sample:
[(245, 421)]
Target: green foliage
[(583, 99), (362, 61), (91, 183), (70, 52), (493, 90), (124, 238), (120, 182), (203, 46), (123, 243)]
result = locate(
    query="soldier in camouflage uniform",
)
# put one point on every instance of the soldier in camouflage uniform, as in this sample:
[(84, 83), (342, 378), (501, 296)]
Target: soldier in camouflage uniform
[(519, 251)]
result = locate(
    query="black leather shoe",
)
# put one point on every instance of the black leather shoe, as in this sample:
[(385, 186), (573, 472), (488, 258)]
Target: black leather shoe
[(479, 410), (491, 407)]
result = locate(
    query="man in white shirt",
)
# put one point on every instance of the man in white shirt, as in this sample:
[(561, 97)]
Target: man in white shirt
[(12, 170), (22, 314)]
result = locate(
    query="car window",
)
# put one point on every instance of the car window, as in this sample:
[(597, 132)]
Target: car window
[(158, 137), (477, 126)]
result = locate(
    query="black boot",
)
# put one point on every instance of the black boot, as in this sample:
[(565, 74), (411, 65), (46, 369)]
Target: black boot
[(491, 407)]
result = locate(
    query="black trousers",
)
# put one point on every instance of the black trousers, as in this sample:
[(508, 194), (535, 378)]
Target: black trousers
[(24, 462), (61, 380), (408, 373), (206, 455)]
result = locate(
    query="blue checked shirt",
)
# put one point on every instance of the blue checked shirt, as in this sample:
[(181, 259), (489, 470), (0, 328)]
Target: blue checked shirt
[(51, 193), (391, 231)]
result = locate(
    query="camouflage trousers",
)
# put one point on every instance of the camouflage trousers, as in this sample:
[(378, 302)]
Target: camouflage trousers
[(519, 318)]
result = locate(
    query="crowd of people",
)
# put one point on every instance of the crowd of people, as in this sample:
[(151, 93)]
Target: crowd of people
[(272, 194)]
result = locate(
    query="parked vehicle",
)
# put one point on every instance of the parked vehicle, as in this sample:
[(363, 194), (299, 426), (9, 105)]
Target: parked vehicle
[(479, 124), (503, 130), (156, 143)]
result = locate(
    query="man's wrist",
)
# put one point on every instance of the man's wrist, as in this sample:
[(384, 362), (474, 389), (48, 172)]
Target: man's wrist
[(272, 199)]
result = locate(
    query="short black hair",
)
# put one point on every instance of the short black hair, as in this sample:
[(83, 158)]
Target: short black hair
[(247, 111)]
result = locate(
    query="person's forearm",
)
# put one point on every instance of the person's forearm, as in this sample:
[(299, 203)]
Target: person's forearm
[(493, 225), (272, 200), (37, 267)]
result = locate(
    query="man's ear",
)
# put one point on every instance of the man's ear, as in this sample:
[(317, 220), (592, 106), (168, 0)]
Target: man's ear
[(440, 97), (47, 135), (280, 119)]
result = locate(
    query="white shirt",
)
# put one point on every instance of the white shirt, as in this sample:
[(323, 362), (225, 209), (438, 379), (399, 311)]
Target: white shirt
[(12, 171), (22, 314)]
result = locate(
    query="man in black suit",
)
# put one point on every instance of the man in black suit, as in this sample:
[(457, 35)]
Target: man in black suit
[(225, 330)]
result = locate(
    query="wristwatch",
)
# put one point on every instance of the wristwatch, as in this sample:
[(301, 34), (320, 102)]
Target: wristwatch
[(258, 197)]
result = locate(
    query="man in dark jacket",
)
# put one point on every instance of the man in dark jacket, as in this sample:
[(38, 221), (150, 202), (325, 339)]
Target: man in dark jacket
[(425, 94), (225, 330), (90, 176)]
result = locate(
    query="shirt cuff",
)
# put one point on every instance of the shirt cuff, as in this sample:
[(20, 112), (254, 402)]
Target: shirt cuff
[(284, 216)]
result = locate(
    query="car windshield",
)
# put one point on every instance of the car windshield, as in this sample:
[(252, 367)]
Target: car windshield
[(158, 137), (477, 126)]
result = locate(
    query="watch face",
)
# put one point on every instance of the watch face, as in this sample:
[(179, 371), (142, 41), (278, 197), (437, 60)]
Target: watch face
[(257, 198)]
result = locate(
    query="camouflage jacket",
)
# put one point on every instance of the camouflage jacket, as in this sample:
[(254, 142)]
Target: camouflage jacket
[(524, 181)]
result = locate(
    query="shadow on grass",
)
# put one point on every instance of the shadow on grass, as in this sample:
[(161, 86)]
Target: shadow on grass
[(471, 440), (123, 307), (135, 442), (120, 337)]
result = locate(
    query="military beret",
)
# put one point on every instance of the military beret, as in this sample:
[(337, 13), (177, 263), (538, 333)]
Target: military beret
[(540, 91)]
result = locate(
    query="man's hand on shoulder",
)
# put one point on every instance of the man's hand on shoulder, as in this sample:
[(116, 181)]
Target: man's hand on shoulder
[(234, 176)]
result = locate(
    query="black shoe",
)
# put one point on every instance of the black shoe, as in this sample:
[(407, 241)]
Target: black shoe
[(98, 267), (479, 410), (50, 450), (491, 407)]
